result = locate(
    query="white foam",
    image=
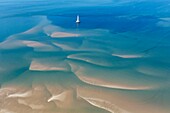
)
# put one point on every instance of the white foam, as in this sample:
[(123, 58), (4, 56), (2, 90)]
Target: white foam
[(60, 97), (20, 95)]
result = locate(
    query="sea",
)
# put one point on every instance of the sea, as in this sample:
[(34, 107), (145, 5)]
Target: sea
[(116, 60)]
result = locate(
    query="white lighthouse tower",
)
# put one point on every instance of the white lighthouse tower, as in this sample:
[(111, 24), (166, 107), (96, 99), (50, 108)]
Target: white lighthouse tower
[(78, 19)]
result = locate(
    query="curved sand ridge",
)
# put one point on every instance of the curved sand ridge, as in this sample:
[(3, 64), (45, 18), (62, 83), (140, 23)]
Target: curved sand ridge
[(15, 41), (37, 46), (104, 105), (36, 29), (127, 56), (122, 99), (86, 44), (104, 59), (27, 37), (58, 32), (157, 70), (42, 99), (111, 78), (94, 58), (108, 84), (64, 46), (83, 47), (40, 46)]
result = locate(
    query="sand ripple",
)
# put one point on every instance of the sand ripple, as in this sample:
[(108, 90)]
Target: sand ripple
[(112, 78), (59, 62), (94, 58)]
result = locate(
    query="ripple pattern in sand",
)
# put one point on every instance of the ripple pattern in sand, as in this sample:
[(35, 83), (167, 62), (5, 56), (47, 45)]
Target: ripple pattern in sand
[(67, 71)]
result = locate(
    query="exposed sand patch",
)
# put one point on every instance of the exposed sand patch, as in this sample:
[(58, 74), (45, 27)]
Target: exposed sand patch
[(38, 66), (128, 56), (33, 44), (63, 34), (16, 43), (38, 46)]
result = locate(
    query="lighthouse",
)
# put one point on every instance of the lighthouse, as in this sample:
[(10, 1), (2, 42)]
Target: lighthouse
[(78, 19)]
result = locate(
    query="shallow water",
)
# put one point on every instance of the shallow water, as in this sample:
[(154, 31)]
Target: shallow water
[(116, 60)]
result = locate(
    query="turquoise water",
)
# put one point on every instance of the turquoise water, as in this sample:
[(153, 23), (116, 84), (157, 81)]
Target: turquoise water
[(116, 60)]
